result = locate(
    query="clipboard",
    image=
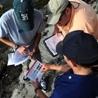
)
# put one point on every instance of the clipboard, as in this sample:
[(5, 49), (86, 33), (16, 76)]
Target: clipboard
[(35, 72), (51, 43)]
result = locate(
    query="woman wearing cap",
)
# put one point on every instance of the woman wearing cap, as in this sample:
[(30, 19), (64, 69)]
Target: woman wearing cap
[(80, 52), (72, 15)]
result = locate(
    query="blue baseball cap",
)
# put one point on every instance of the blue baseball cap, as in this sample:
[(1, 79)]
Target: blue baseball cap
[(80, 47), (24, 14)]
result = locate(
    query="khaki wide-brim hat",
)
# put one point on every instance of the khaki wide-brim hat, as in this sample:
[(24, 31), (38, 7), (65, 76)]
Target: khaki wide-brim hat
[(56, 7)]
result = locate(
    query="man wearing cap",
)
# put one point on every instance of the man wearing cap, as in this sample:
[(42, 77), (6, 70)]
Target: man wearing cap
[(20, 27), (80, 51)]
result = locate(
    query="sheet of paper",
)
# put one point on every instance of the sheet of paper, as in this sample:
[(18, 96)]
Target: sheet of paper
[(16, 58), (35, 71), (20, 58), (52, 41)]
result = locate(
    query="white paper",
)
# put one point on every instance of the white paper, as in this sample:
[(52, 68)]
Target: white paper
[(35, 71), (52, 42), (17, 58), (10, 61)]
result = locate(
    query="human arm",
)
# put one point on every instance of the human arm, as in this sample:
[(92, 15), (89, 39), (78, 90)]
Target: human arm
[(41, 94), (20, 49), (33, 52), (37, 39), (38, 91), (36, 43), (60, 68), (8, 42), (11, 44)]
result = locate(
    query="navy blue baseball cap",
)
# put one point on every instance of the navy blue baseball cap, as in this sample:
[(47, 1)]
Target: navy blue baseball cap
[(80, 47), (24, 14)]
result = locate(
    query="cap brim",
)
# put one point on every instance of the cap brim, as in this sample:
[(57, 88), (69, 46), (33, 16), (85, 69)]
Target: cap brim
[(59, 48), (53, 19)]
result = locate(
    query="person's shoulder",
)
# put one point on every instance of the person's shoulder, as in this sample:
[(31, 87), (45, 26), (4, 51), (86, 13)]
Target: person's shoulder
[(83, 9), (10, 11), (38, 14), (7, 14)]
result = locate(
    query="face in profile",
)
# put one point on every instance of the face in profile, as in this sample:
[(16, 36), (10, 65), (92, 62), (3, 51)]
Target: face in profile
[(65, 17)]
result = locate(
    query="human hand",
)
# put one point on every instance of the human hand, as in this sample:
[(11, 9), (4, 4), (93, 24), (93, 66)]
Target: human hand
[(23, 49), (31, 53), (36, 84), (45, 67), (1, 7)]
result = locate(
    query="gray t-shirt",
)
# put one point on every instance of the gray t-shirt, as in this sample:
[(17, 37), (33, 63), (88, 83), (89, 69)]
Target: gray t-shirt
[(10, 29)]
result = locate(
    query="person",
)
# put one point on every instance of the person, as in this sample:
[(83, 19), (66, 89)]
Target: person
[(72, 15), (20, 27), (80, 51), (65, 16)]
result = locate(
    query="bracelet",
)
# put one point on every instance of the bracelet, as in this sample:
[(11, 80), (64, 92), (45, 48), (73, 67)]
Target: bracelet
[(36, 89)]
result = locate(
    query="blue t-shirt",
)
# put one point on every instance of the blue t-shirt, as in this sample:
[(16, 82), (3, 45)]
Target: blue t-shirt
[(9, 28), (70, 85)]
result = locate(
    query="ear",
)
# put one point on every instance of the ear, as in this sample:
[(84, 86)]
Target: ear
[(70, 62), (68, 11), (73, 63)]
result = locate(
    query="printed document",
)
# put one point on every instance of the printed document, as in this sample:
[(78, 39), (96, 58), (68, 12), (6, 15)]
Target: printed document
[(51, 43), (35, 71)]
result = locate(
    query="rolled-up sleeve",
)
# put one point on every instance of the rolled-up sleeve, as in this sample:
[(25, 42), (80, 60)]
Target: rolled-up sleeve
[(3, 27)]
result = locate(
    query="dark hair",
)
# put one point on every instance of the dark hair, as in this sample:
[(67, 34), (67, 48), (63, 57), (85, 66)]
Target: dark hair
[(94, 68), (81, 48), (69, 5)]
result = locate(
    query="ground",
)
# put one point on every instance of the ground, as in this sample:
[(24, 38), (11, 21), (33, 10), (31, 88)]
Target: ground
[(12, 84)]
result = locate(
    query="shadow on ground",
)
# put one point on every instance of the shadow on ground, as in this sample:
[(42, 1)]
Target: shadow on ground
[(9, 80)]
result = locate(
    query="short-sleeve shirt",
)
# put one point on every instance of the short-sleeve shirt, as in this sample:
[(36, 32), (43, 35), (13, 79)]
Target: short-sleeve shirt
[(9, 28), (83, 18), (70, 85)]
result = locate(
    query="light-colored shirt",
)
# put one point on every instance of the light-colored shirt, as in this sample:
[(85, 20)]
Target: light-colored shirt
[(83, 18), (10, 29)]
